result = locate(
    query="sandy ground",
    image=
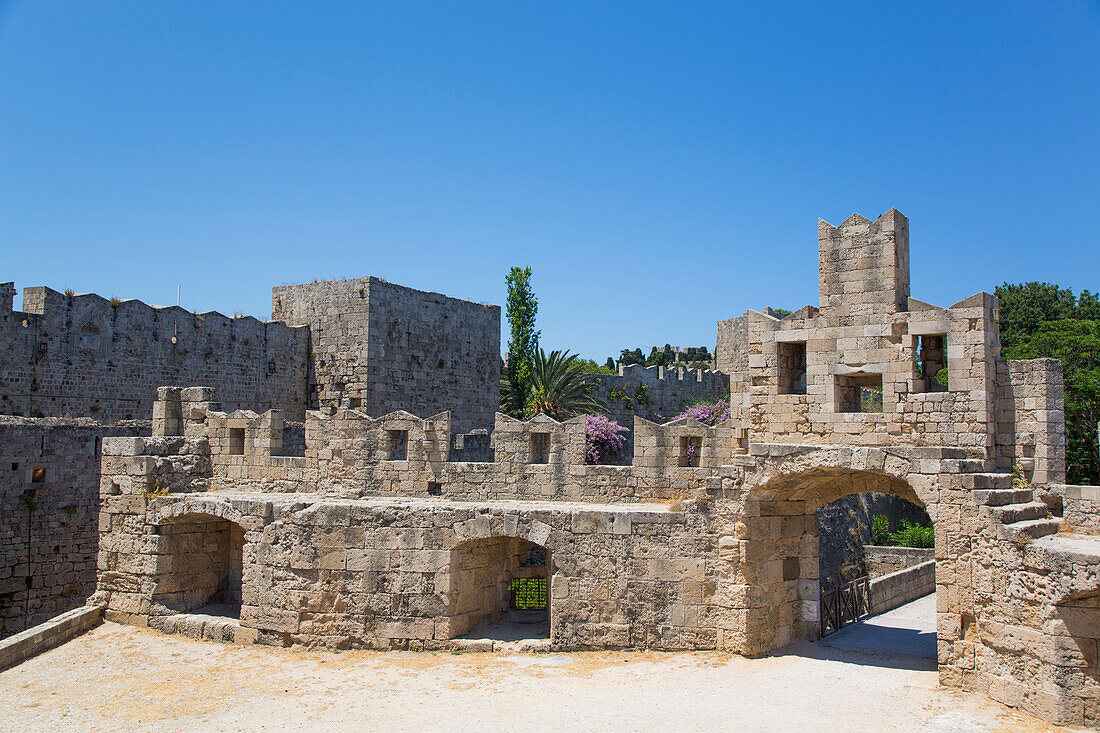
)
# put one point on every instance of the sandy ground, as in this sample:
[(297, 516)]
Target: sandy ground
[(121, 678)]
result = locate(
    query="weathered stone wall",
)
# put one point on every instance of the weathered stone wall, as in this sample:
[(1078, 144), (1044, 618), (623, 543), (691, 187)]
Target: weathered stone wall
[(84, 355), (902, 586), (883, 560), (731, 357), (1031, 641), (353, 455), (1079, 506), (49, 501), (656, 393), (1030, 414), (803, 373), (385, 573), (381, 347)]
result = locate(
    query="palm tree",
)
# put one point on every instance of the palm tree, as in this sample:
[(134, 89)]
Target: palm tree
[(559, 387)]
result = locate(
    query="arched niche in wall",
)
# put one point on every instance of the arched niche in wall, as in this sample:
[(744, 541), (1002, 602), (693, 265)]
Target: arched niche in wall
[(91, 336)]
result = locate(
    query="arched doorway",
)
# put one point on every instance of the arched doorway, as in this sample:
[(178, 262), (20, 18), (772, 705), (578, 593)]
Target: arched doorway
[(501, 582), (203, 567), (777, 581)]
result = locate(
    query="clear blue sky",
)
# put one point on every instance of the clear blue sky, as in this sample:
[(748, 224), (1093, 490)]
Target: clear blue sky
[(661, 166)]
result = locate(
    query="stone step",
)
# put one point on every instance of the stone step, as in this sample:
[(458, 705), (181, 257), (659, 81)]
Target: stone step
[(1029, 528), (964, 465), (1009, 513), (1001, 497), (977, 481)]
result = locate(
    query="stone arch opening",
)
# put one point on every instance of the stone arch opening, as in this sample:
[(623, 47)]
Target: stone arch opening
[(202, 565), (501, 581), (777, 584), (856, 531)]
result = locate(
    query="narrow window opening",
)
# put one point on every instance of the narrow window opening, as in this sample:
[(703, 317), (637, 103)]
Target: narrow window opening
[(540, 448), (38, 475), (792, 367), (236, 441), (398, 445), (690, 448), (931, 363), (859, 393)]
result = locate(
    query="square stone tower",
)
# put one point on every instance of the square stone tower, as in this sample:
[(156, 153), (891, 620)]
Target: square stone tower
[(864, 265), (380, 347)]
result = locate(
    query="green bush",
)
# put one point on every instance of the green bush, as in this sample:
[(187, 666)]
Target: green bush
[(913, 535), (880, 530)]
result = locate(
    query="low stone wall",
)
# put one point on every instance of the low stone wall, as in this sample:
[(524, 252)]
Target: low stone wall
[(882, 560), (897, 589), (41, 638), (1080, 506)]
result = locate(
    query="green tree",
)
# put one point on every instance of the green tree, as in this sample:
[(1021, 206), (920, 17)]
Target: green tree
[(610, 365), (1026, 306), (631, 356), (588, 366), (560, 388), (1077, 343), (522, 306)]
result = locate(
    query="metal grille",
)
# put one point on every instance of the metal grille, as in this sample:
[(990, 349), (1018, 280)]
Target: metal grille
[(843, 603), (528, 594)]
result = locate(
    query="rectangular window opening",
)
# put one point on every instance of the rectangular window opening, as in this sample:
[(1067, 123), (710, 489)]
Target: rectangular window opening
[(792, 367), (540, 448), (931, 363), (38, 475), (859, 392), (690, 448), (236, 441), (435, 488), (398, 445)]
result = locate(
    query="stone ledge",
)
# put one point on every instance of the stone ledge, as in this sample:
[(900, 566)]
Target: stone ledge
[(46, 636)]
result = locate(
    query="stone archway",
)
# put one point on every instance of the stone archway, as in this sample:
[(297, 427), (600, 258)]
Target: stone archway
[(203, 564), (500, 579), (774, 585)]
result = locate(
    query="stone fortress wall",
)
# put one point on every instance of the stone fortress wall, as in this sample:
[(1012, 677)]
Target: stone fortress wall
[(656, 393), (103, 360), (379, 535), (49, 501), (379, 347), (84, 355)]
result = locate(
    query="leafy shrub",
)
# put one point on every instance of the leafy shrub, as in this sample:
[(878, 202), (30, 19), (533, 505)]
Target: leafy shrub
[(880, 530), (603, 439), (913, 535)]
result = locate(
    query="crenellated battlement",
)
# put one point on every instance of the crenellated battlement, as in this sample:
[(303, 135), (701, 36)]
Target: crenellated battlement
[(89, 355)]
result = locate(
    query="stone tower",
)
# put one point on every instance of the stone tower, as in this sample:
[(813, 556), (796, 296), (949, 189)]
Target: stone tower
[(864, 265)]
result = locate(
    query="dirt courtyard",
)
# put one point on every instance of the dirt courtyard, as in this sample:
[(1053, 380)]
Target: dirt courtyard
[(121, 678)]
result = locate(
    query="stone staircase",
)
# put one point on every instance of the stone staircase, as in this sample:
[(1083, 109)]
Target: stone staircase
[(1019, 516)]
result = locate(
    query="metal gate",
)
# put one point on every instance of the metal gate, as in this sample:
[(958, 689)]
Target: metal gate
[(844, 602)]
